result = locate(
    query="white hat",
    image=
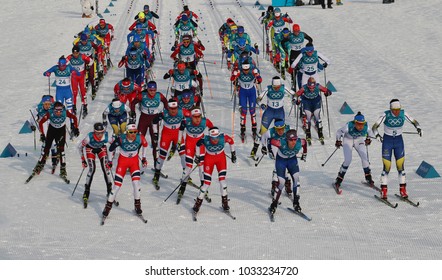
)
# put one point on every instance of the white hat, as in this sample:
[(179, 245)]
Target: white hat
[(196, 111)]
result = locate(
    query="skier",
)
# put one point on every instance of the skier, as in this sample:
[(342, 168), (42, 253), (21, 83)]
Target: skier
[(193, 17), (393, 144), (296, 43), (308, 63), (212, 155), (311, 101), (150, 101), (105, 31), (148, 13), (276, 25), (187, 101), (130, 144), (274, 110), (171, 119), (193, 128), (147, 24), (329, 4), (134, 63), (62, 72), (286, 160), (184, 79), (147, 37), (46, 103), (355, 134), (244, 81), (126, 90), (184, 27), (276, 133), (95, 145), (189, 52), (80, 62), (117, 113), (56, 132)]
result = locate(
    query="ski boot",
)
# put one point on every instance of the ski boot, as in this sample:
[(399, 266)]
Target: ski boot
[(254, 132), (156, 178), (84, 110), (225, 203), (74, 109), (320, 135), (254, 150), (369, 179), (338, 2), (107, 209), (296, 205), (109, 189), (384, 191), (403, 190), (197, 205), (207, 198), (63, 172), (181, 192), (137, 204), (85, 196), (94, 91)]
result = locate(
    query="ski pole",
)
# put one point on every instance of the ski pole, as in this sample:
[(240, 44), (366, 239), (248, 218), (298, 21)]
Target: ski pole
[(168, 86), (207, 78), (181, 181), (330, 157), (257, 163), (410, 132), (49, 85), (78, 181), (328, 116)]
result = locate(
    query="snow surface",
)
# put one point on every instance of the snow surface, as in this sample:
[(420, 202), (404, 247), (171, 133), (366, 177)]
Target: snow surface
[(378, 52)]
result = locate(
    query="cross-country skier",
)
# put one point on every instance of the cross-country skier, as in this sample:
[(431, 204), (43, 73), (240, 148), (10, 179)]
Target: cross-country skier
[(117, 113), (355, 134), (393, 143), (126, 90), (212, 155), (95, 146)]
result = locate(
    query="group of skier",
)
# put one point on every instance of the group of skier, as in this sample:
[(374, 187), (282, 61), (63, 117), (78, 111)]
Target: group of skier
[(177, 123)]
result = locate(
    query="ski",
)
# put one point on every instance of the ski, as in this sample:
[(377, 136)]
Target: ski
[(156, 185), (386, 202), (272, 215), (164, 175), (30, 177), (300, 214), (338, 189), (373, 186), (415, 204), (227, 212), (141, 218)]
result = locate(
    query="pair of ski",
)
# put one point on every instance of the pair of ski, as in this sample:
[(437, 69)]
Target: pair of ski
[(65, 179), (298, 213), (227, 212), (140, 216), (85, 203)]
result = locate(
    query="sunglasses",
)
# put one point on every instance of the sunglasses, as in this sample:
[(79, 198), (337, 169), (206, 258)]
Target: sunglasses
[(133, 132), (292, 139), (58, 110)]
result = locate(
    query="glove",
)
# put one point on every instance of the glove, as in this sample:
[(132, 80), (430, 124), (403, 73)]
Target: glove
[(304, 156), (263, 106), (133, 115), (155, 31), (144, 162), (109, 165), (290, 70), (296, 101), (255, 46), (47, 74), (367, 141), (75, 131), (33, 128), (83, 162), (328, 92), (258, 100), (338, 144), (42, 138), (155, 139), (171, 72), (325, 64), (419, 131), (233, 157), (197, 159), (105, 123), (258, 79), (264, 150)]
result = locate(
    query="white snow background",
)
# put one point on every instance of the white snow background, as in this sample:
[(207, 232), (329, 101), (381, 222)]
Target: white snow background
[(378, 52)]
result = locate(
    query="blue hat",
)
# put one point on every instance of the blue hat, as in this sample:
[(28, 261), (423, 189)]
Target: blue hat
[(186, 93), (309, 49), (47, 98), (62, 61), (152, 84), (83, 37), (87, 30), (242, 42), (136, 38), (279, 123), (285, 31), (359, 118), (184, 18), (240, 29)]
